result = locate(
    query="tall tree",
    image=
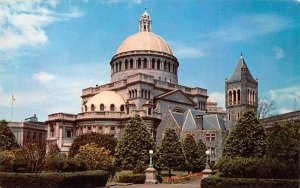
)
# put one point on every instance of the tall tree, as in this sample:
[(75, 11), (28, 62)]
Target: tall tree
[(7, 138), (192, 156), (247, 139), (202, 153), (171, 151), (132, 151)]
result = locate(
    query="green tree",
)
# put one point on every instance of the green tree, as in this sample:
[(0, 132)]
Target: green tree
[(102, 140), (94, 157), (191, 153), (171, 153), (132, 151), (202, 153), (285, 146), (7, 138), (247, 139)]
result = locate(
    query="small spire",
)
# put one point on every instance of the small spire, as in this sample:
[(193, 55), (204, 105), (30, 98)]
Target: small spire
[(241, 54)]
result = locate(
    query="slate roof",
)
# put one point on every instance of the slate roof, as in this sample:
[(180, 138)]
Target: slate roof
[(236, 76), (187, 120)]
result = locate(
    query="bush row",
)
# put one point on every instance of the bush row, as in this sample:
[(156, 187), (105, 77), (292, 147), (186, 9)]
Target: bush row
[(219, 182), (61, 163), (132, 178), (49, 180), (242, 167), (181, 179)]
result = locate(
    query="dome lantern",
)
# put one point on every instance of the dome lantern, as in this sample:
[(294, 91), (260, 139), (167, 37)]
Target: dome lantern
[(145, 22)]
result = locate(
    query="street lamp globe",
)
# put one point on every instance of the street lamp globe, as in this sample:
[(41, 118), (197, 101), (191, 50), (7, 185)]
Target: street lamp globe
[(207, 152), (150, 152)]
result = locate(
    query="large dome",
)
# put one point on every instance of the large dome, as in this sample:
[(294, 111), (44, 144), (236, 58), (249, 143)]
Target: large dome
[(145, 41), (106, 99)]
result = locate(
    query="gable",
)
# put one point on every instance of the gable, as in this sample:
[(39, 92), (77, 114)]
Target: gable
[(176, 96)]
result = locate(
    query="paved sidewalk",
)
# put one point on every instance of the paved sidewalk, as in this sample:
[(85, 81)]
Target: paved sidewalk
[(193, 184)]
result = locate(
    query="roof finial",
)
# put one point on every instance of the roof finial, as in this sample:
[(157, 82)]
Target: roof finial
[(241, 54), (145, 22)]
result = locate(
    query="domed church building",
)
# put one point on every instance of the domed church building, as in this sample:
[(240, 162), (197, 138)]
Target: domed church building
[(144, 81)]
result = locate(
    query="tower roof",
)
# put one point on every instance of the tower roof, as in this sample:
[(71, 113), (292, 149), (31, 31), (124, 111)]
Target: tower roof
[(241, 68)]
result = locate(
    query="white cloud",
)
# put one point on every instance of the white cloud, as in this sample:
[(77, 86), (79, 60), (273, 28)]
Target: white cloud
[(286, 99), (23, 23), (43, 77), (279, 53), (248, 26), (184, 51), (219, 97)]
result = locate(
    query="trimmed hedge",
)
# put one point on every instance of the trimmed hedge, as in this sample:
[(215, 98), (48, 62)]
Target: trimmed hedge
[(218, 182), (85, 179), (264, 168), (132, 178)]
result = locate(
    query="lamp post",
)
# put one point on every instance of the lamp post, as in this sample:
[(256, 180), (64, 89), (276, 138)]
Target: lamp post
[(151, 155), (207, 154), (151, 173)]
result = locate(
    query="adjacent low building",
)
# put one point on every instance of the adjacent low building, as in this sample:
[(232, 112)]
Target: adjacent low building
[(29, 131)]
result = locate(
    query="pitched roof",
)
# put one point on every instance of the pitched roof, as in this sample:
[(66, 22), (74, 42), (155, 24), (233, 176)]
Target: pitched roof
[(237, 74), (187, 120), (213, 122), (176, 95)]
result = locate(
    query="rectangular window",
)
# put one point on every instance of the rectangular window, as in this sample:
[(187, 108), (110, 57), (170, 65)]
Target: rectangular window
[(213, 151), (112, 128), (69, 133), (213, 137), (207, 137)]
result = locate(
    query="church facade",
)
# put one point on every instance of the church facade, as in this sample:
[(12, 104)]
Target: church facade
[(144, 81)]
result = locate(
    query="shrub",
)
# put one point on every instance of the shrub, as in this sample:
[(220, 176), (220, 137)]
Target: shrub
[(242, 167), (132, 178), (47, 180), (62, 163), (102, 140), (94, 157), (218, 182), (7, 159)]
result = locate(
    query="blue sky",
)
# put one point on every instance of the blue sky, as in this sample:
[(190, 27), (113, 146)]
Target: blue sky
[(51, 50)]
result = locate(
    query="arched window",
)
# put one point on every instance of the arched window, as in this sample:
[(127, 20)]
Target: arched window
[(112, 107), (112, 68), (142, 93), (169, 67), (238, 95), (122, 108), (101, 107), (153, 63), (130, 94), (148, 94), (230, 97), (126, 64), (92, 107), (145, 63), (149, 111), (158, 64), (85, 108), (234, 96), (131, 63), (139, 63), (165, 65), (135, 93)]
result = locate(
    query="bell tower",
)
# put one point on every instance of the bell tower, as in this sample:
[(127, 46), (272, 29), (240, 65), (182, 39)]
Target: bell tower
[(241, 93), (145, 22)]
